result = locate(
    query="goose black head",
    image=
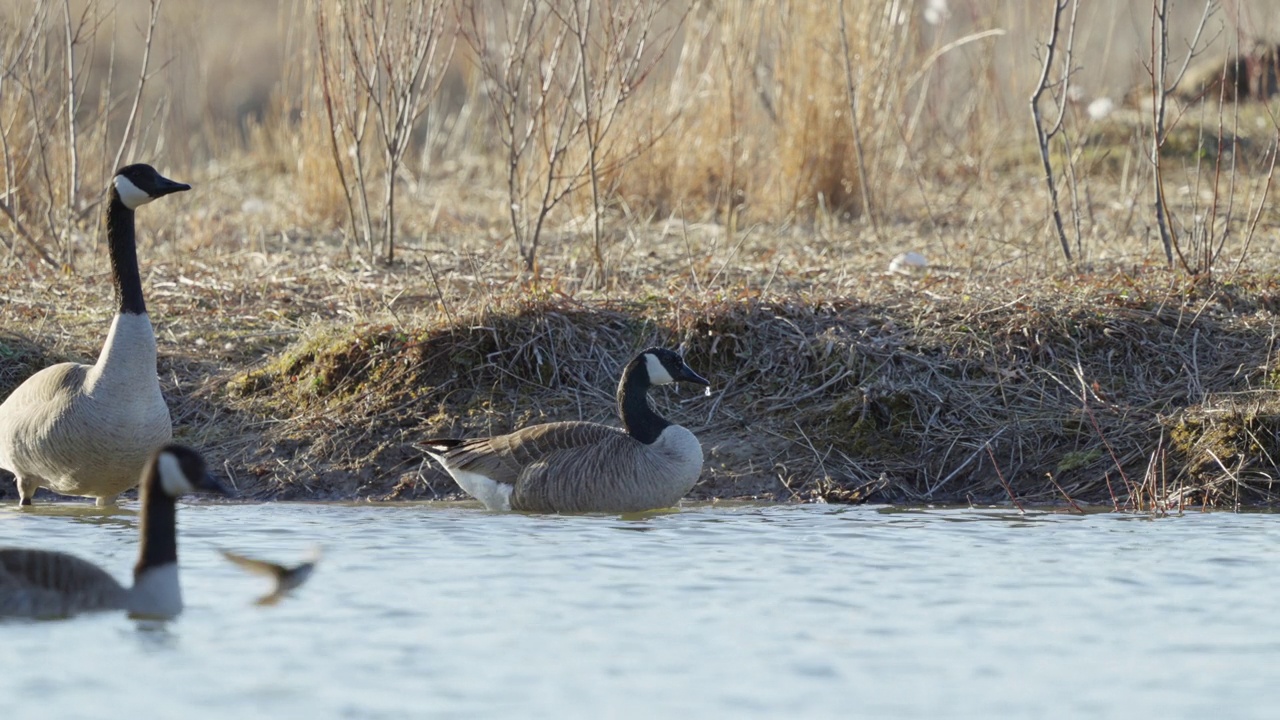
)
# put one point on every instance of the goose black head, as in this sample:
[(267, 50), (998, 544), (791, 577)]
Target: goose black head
[(666, 366), (181, 470), (139, 184)]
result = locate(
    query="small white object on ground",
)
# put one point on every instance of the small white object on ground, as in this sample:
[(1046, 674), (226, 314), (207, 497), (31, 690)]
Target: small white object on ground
[(908, 263), (1100, 108)]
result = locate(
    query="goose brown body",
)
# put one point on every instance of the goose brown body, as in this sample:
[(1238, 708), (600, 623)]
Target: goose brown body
[(88, 429), (582, 466)]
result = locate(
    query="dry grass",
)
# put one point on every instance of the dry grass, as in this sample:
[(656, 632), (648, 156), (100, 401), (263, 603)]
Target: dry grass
[(1141, 389), (745, 120), (735, 227)]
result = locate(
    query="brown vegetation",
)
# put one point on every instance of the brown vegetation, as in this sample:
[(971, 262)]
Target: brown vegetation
[(738, 190), (1162, 390)]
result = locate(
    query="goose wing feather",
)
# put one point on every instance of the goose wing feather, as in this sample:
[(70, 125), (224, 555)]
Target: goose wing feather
[(505, 458), (56, 383), (614, 473), (43, 583), (286, 578), (256, 566), (35, 407)]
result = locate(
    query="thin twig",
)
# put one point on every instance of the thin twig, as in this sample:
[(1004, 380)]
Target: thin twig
[(1003, 482)]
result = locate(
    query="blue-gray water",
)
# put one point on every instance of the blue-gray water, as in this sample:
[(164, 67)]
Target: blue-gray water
[(713, 611)]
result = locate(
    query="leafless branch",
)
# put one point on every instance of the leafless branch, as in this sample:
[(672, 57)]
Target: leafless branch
[(382, 63), (558, 73), (864, 182), (126, 137), (1045, 134), (1161, 89)]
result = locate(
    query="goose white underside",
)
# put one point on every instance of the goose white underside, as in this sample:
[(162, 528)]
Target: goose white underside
[(156, 593), (494, 495)]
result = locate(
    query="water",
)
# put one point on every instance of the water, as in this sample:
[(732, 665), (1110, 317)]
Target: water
[(714, 611)]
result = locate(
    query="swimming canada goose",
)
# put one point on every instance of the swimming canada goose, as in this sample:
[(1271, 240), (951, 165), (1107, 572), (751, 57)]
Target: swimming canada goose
[(583, 466), (88, 429), (287, 579), (50, 584)]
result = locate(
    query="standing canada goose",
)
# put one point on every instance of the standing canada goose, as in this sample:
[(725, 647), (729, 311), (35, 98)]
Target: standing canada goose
[(287, 579), (88, 429), (49, 584), (583, 466)]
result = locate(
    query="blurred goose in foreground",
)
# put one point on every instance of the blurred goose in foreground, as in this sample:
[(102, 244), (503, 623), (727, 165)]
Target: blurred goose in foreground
[(88, 429), (583, 466), (51, 584), (287, 579)]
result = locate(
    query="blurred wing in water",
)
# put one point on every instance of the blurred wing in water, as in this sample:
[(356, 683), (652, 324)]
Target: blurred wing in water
[(287, 579)]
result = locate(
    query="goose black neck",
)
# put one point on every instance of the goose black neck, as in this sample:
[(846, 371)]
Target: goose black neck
[(158, 527), (124, 256), (641, 422)]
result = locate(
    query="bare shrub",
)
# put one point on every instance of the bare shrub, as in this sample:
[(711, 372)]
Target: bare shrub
[(381, 65), (63, 129), (1060, 91), (1207, 94), (1162, 87), (557, 75)]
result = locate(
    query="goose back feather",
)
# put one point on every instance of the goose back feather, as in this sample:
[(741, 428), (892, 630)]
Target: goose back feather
[(43, 583)]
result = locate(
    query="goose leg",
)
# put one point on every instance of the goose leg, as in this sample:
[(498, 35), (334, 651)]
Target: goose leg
[(26, 489), (106, 501)]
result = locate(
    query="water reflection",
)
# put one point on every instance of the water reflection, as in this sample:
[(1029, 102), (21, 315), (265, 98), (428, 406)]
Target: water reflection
[(154, 635), (87, 513), (715, 611)]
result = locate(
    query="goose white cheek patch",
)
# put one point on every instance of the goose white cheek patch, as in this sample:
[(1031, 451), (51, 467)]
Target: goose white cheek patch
[(658, 374), (172, 479), (131, 195)]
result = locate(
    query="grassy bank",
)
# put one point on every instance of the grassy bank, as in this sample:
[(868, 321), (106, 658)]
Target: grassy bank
[(729, 177), (1117, 390), (1141, 390)]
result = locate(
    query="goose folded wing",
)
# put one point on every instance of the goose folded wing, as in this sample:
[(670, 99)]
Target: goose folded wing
[(506, 457), (38, 583)]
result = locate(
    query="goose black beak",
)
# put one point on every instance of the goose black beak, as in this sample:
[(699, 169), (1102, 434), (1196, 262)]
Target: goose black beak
[(688, 375), (214, 486), (165, 186)]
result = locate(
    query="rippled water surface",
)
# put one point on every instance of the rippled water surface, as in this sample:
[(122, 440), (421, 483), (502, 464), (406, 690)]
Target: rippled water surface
[(712, 611)]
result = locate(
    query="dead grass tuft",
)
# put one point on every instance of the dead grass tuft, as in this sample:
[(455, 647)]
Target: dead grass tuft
[(20, 358)]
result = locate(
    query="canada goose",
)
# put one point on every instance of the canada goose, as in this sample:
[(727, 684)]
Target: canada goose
[(583, 466), (287, 579), (48, 584), (88, 429)]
